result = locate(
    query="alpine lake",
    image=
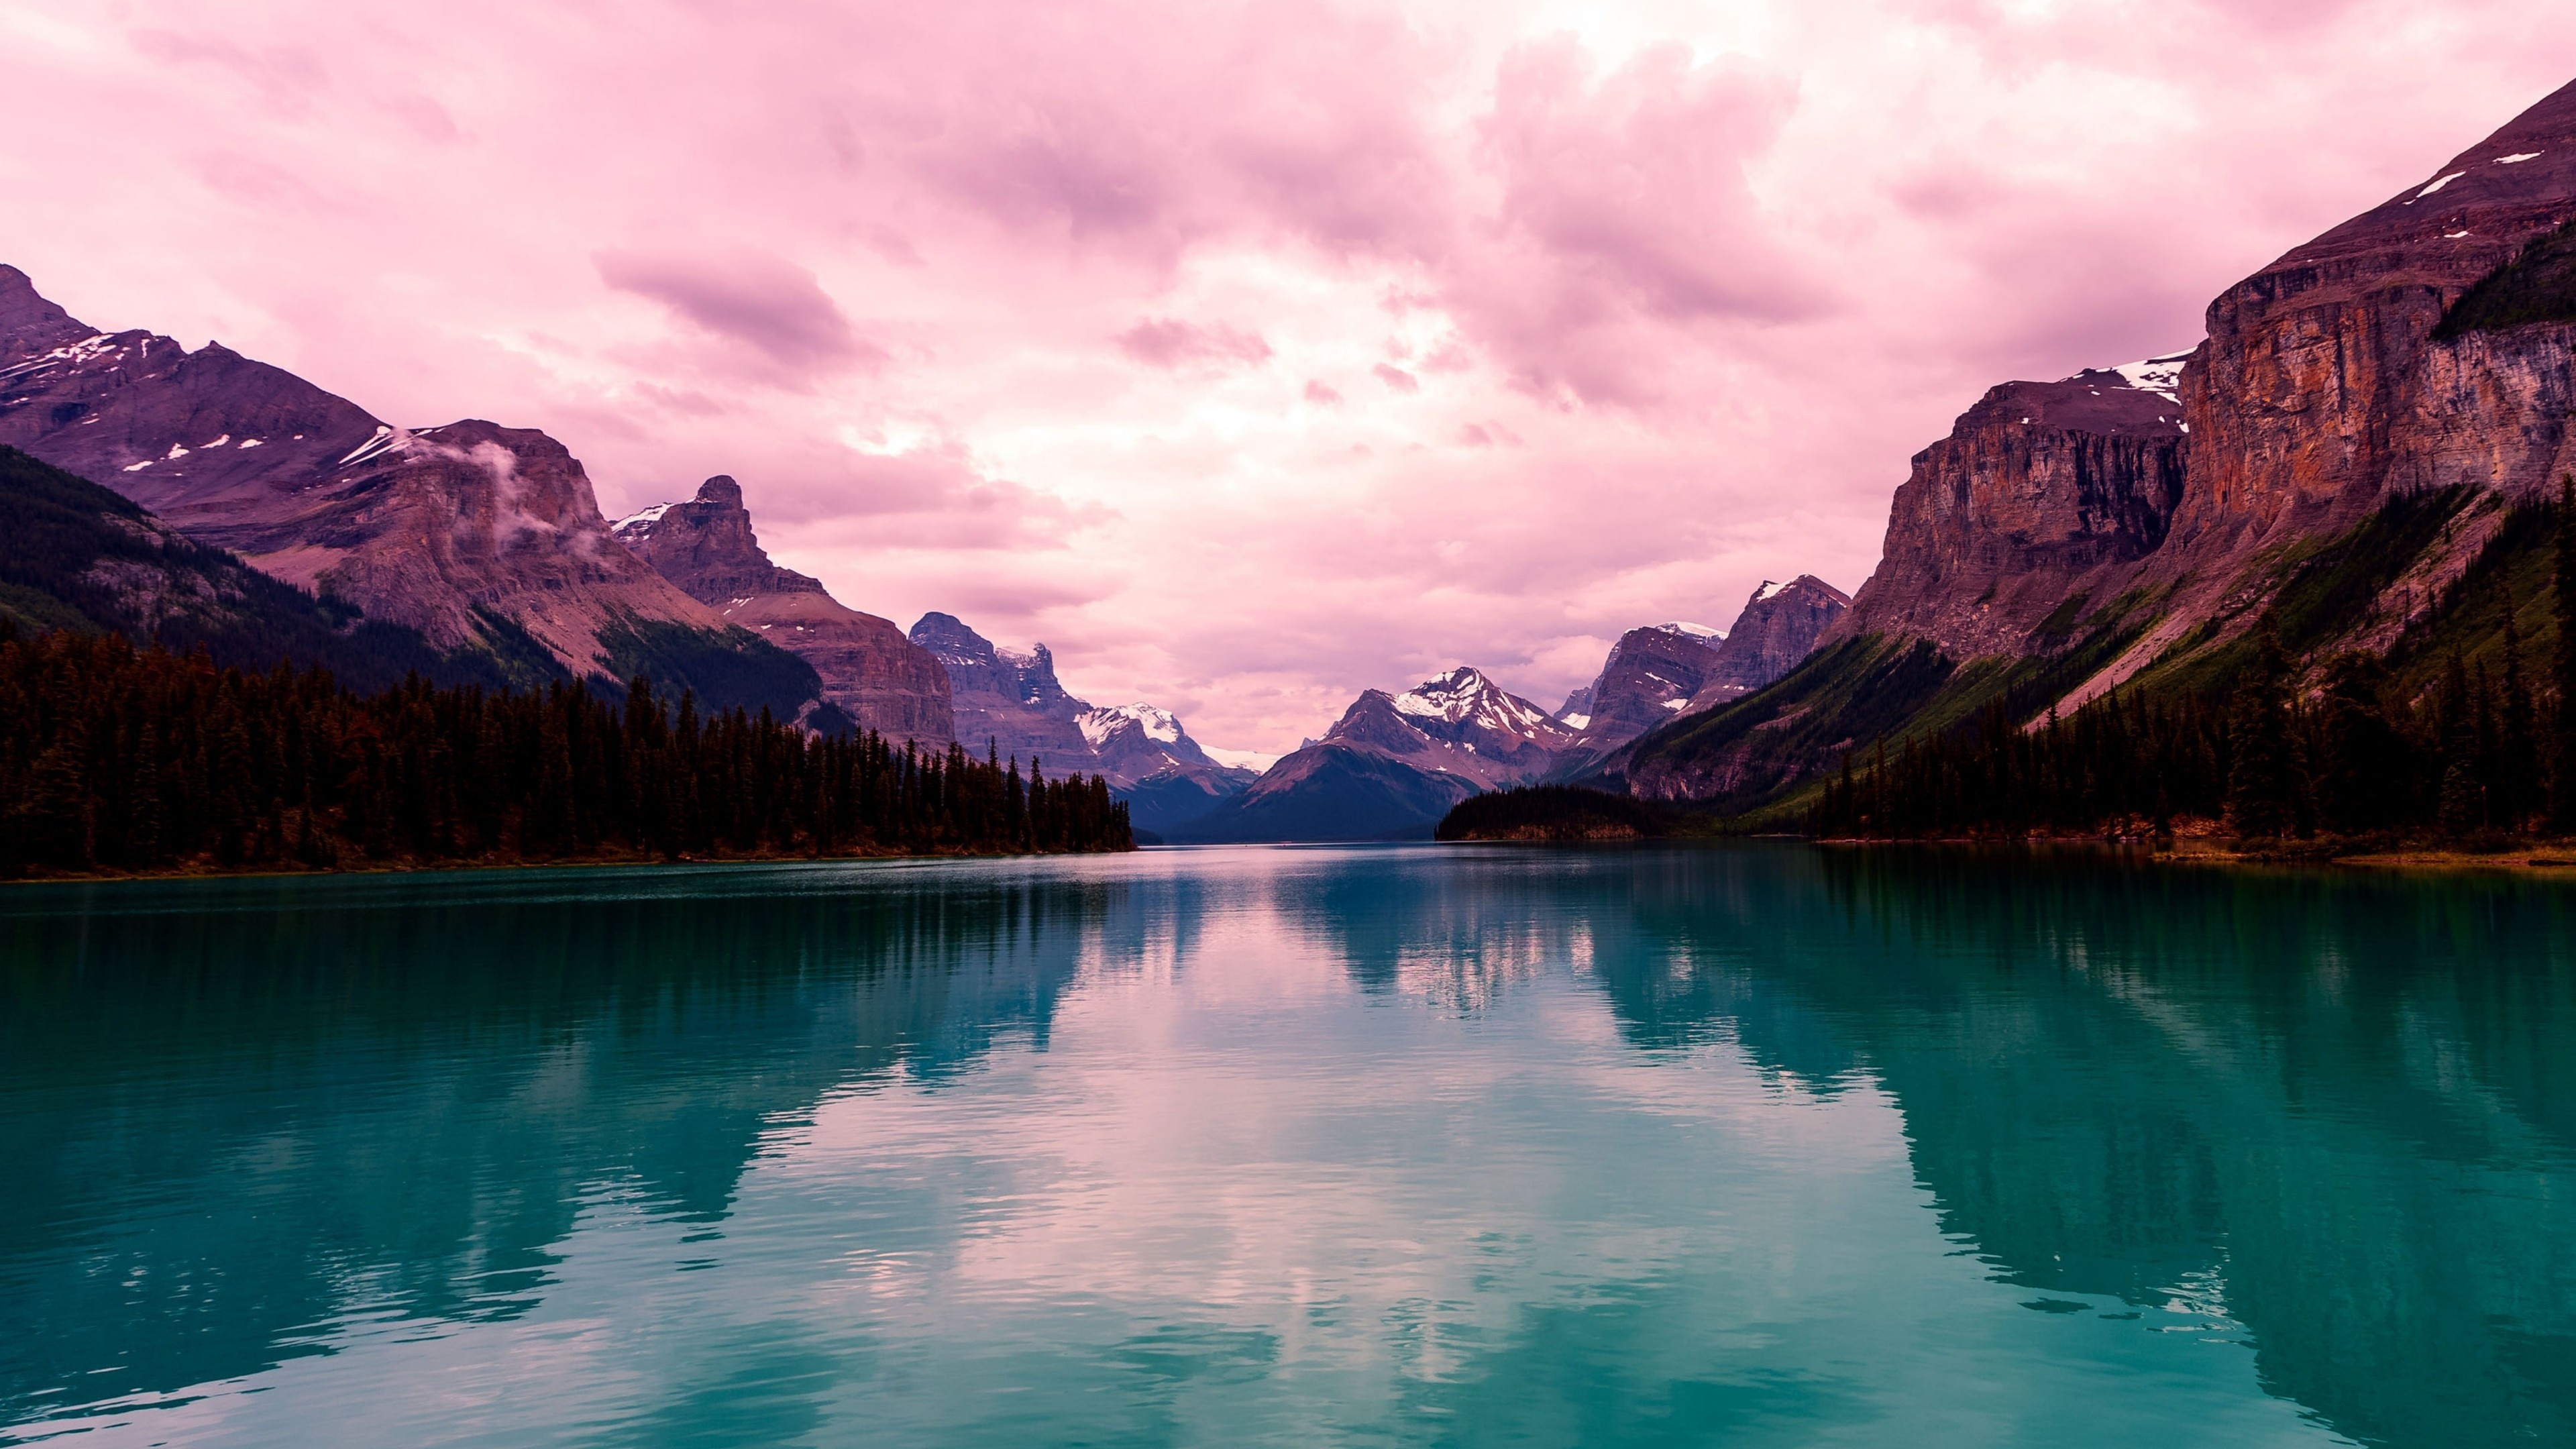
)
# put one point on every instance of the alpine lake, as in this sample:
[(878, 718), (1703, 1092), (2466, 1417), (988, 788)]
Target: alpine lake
[(1744, 1145)]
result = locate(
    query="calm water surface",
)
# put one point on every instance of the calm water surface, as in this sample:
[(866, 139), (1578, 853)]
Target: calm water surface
[(1749, 1146)]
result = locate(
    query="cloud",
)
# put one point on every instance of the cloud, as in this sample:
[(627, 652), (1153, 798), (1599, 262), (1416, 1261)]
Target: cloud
[(1396, 378), (761, 301), (1321, 395), (1162, 342)]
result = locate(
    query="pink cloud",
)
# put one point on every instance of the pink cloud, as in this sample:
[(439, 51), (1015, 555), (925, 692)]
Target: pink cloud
[(1168, 344), (766, 303), (1396, 378)]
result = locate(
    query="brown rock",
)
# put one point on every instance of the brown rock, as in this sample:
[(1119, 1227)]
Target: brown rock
[(870, 671)]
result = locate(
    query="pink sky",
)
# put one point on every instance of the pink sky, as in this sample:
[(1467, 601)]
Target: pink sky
[(1248, 355)]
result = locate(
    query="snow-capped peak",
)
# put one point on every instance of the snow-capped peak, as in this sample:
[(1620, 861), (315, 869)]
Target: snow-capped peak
[(1160, 725), (1769, 590), (2159, 375), (1697, 631), (1465, 696)]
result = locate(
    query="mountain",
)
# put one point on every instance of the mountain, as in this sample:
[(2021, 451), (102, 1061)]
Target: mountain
[(1393, 764), (1663, 672), (78, 556), (472, 535), (2367, 418), (869, 671), (1001, 698), (1775, 632), (1012, 702)]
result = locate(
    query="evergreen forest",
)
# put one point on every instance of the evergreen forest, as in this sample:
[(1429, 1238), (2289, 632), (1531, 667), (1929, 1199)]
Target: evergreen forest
[(115, 757)]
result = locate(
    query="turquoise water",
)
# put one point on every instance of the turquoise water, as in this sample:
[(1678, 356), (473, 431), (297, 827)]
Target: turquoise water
[(1749, 1146)]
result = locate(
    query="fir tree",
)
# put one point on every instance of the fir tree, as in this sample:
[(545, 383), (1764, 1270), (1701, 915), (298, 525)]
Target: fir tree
[(2263, 786)]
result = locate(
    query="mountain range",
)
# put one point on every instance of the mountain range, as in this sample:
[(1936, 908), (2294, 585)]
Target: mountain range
[(279, 519), (1393, 764), (2344, 451)]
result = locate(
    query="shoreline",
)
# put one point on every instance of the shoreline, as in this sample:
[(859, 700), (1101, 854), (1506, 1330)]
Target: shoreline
[(204, 871)]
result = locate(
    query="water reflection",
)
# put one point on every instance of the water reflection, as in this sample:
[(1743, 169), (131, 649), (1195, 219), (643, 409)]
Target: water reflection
[(1423, 1145)]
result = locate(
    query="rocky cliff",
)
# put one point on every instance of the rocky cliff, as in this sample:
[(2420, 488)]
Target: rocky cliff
[(869, 671), (1005, 699), (2344, 374), (2042, 492), (1012, 702), (471, 534), (1778, 628)]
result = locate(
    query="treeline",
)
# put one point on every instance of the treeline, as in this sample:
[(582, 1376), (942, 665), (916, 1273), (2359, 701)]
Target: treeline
[(1554, 812), (2480, 752), (114, 757)]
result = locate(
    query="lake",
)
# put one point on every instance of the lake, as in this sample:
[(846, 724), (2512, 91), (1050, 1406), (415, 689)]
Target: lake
[(1747, 1145)]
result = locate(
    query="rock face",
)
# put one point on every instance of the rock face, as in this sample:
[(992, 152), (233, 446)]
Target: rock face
[(472, 534), (870, 672), (1778, 628), (1004, 698), (1664, 672), (2329, 382), (1013, 703), (78, 556), (1394, 764), (2043, 491)]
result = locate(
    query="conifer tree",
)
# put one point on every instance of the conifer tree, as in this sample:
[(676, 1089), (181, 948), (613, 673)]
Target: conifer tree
[(2263, 787), (2517, 795)]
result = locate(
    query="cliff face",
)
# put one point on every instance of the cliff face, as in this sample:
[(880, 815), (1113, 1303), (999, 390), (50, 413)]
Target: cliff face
[(1009, 700), (2329, 383), (1778, 628), (2043, 491), (467, 533), (869, 671), (1651, 671)]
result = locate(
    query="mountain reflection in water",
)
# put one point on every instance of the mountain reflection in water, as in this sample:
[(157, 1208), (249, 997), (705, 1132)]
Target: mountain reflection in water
[(1744, 1145)]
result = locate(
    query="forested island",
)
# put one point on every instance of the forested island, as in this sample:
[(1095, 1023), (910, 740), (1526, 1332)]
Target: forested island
[(118, 758)]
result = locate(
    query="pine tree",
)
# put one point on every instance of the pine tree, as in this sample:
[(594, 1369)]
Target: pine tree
[(2517, 796), (2263, 786)]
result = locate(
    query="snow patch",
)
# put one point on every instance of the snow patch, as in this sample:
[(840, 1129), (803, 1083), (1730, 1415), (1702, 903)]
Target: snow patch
[(177, 452), (641, 520), (1770, 590), (2517, 158), (139, 467), (1160, 725), (2453, 235), (1681, 703), (1576, 721), (2439, 182), (1696, 631), (2159, 375), (246, 443), (223, 441), (384, 438)]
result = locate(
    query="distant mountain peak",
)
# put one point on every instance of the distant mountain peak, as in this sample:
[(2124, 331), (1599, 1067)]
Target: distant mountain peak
[(1099, 726)]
